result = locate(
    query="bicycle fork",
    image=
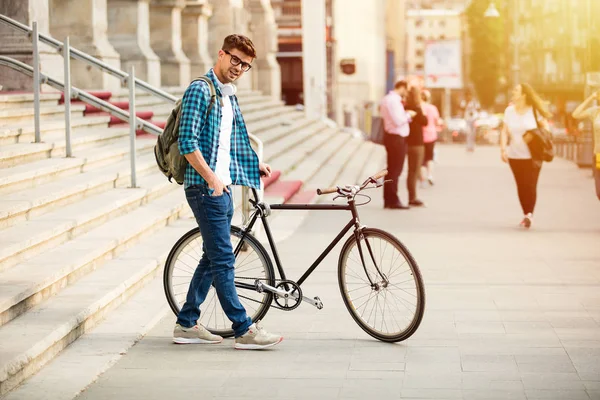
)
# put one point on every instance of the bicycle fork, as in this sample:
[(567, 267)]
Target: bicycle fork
[(375, 286)]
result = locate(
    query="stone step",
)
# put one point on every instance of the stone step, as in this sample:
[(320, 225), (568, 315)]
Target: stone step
[(329, 172), (55, 146), (356, 171), (84, 360), (287, 126), (32, 237), (270, 120), (35, 279), (27, 343), (12, 116), (32, 202), (309, 165), (25, 132), (162, 111), (36, 173), (14, 100), (143, 98), (301, 152), (289, 143)]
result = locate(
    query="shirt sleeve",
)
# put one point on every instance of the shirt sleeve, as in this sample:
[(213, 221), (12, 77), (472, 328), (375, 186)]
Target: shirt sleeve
[(397, 112), (193, 113)]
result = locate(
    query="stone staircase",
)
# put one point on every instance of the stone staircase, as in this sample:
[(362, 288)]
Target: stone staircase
[(76, 242)]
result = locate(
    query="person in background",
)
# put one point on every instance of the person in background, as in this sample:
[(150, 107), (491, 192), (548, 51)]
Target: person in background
[(470, 108), (430, 135), (519, 118), (416, 147), (589, 109), (396, 127)]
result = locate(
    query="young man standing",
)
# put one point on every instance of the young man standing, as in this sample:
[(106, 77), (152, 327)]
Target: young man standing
[(396, 126), (218, 150)]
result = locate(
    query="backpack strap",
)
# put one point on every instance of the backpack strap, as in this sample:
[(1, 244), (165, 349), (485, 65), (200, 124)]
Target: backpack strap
[(213, 92)]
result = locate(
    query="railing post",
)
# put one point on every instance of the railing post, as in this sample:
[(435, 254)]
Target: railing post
[(132, 124), (245, 191), (67, 94), (36, 81)]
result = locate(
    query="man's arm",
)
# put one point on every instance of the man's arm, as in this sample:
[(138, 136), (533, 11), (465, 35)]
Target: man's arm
[(397, 112), (193, 114)]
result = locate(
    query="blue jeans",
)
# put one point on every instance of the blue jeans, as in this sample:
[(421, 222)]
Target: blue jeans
[(216, 267)]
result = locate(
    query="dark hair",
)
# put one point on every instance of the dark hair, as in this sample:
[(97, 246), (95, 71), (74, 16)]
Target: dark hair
[(241, 43), (401, 84), (414, 98), (533, 99)]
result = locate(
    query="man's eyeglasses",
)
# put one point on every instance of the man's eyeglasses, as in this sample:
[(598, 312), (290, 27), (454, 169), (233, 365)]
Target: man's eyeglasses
[(235, 61)]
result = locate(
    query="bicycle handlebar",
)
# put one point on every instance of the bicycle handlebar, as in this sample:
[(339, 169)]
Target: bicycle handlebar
[(380, 174), (328, 190), (336, 189)]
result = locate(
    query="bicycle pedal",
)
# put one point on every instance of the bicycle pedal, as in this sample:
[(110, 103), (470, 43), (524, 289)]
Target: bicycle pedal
[(318, 303)]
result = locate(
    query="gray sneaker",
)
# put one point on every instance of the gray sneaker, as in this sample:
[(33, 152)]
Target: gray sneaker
[(196, 335), (257, 338)]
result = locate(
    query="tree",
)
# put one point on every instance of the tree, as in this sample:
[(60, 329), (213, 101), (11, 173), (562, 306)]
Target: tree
[(488, 51)]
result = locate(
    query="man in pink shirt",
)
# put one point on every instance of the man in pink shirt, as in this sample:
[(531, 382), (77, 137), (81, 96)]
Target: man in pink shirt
[(396, 126)]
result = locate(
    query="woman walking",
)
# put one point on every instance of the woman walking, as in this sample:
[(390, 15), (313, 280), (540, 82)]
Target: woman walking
[(430, 135), (416, 148), (591, 111), (520, 117)]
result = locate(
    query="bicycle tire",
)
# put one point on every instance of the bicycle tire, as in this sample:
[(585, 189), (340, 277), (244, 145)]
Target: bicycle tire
[(267, 277), (414, 323)]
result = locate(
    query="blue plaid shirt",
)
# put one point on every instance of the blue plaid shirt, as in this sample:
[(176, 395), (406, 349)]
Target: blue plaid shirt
[(197, 131)]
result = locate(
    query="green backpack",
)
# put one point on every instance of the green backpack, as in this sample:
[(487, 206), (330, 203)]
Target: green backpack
[(166, 151)]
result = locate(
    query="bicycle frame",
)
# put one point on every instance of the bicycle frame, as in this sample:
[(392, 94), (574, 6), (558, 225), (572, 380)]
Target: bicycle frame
[(354, 222)]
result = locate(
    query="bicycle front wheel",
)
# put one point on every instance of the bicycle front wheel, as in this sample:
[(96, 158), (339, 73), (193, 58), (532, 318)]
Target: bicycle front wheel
[(389, 303), (252, 262)]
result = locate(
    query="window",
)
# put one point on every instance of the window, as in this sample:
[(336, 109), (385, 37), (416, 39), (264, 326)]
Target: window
[(418, 23), (442, 23), (418, 67), (419, 53), (419, 38), (442, 37)]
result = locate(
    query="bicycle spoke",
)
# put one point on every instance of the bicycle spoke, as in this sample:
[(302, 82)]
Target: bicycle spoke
[(388, 306)]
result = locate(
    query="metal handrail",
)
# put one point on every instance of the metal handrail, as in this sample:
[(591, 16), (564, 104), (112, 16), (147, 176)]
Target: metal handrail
[(79, 55), (81, 95)]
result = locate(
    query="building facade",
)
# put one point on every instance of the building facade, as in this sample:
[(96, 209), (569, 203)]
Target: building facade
[(559, 42), (428, 25), (168, 41)]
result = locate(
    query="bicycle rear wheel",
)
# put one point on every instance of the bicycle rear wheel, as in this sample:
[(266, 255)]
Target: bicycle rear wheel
[(252, 263), (391, 308)]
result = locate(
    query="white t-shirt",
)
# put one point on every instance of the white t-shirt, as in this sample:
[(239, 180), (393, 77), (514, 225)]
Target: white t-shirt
[(224, 149), (517, 125)]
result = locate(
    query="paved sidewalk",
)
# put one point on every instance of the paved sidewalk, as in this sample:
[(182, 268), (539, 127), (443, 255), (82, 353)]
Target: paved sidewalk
[(510, 314)]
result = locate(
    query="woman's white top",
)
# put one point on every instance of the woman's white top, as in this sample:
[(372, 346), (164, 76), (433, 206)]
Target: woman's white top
[(517, 125)]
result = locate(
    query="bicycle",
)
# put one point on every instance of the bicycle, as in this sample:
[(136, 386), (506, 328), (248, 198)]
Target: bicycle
[(366, 266)]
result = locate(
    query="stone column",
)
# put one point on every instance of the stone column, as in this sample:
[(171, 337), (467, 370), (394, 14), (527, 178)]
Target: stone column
[(17, 45), (86, 23), (264, 36), (229, 16), (195, 35), (314, 58), (129, 33), (165, 38)]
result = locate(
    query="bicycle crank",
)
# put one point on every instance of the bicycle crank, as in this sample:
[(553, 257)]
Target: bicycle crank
[(286, 295)]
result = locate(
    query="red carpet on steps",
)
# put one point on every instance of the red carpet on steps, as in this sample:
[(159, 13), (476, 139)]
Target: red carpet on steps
[(270, 180), (285, 189)]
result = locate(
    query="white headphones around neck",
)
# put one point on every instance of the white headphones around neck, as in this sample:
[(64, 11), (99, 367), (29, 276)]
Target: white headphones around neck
[(229, 89)]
